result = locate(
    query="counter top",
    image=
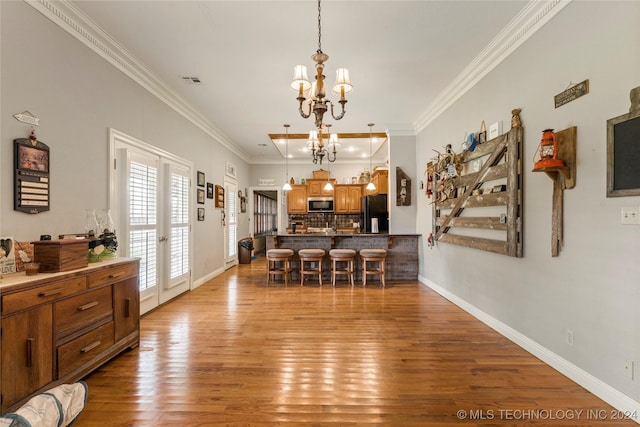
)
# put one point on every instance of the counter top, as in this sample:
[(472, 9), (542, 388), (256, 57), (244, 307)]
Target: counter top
[(20, 278), (341, 234)]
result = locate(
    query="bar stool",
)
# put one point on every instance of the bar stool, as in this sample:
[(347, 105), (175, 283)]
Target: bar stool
[(342, 255), (279, 262), (372, 256), (310, 256)]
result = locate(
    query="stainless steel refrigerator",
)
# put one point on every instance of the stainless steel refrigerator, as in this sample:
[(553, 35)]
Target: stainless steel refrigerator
[(374, 207)]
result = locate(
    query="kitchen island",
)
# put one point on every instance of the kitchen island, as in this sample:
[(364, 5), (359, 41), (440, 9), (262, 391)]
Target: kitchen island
[(402, 250)]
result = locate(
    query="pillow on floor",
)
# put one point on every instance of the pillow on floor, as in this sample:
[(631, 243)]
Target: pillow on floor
[(57, 407)]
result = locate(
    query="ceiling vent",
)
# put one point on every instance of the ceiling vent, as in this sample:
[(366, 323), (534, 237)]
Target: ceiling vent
[(192, 80)]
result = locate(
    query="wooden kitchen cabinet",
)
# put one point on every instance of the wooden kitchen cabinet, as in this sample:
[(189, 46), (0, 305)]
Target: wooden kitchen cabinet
[(316, 188), (347, 199), (58, 327), (380, 179), (297, 199)]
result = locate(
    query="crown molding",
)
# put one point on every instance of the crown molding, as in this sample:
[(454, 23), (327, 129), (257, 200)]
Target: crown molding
[(75, 22), (533, 17)]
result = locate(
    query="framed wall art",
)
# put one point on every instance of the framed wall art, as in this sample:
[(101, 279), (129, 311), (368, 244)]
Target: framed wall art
[(230, 170), (31, 177), (200, 179), (209, 190), (623, 151), (201, 196), (200, 214)]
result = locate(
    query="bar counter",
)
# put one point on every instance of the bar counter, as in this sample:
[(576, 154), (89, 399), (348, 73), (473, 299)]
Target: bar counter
[(402, 250)]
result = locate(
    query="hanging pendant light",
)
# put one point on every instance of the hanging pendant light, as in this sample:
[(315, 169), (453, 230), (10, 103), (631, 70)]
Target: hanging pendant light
[(286, 186), (370, 186)]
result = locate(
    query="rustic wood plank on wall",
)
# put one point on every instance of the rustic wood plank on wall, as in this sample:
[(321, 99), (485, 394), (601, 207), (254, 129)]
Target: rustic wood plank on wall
[(503, 162)]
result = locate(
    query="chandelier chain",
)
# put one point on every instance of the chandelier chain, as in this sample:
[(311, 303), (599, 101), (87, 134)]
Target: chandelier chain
[(319, 30)]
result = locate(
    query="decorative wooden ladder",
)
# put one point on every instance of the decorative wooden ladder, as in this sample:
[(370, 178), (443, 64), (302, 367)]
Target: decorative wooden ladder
[(503, 162)]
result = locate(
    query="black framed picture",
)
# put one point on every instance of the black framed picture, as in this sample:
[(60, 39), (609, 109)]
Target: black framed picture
[(200, 179), (200, 214), (623, 155), (209, 190), (201, 196)]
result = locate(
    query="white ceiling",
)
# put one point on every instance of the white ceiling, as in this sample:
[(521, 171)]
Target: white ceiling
[(402, 56)]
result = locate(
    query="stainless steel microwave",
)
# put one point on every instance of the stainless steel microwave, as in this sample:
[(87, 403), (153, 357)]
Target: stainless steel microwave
[(320, 204)]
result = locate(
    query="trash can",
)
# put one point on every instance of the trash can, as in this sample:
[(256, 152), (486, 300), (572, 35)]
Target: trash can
[(245, 246)]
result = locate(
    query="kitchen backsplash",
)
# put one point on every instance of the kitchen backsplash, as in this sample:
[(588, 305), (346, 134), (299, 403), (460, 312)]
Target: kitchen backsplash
[(320, 220)]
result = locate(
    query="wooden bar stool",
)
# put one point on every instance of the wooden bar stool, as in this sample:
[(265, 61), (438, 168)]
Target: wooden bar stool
[(342, 255), (372, 256), (279, 262), (310, 256)]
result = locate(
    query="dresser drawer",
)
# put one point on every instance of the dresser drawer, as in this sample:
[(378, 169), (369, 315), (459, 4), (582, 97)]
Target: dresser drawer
[(112, 274), (84, 348), (80, 311), (43, 294)]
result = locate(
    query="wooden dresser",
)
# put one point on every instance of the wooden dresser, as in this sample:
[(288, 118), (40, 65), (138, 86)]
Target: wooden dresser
[(58, 327)]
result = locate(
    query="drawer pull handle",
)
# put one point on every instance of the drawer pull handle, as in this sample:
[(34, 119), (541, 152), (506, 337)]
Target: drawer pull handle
[(127, 307), (30, 342), (87, 306), (50, 292), (90, 347), (115, 276)]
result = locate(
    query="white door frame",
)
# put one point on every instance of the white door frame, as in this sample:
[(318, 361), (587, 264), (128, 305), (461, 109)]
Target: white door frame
[(117, 205), (230, 259)]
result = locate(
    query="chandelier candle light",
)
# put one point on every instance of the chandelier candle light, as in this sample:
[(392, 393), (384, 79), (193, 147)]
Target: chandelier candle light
[(314, 94)]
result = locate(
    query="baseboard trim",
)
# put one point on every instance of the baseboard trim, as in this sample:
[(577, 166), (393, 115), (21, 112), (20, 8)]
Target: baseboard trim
[(206, 278), (604, 391)]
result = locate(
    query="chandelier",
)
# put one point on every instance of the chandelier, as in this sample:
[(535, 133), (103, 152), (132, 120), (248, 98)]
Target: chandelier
[(314, 96), (319, 150)]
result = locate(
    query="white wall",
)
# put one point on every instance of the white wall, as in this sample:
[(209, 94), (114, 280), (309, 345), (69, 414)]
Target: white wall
[(593, 287), (77, 96), (402, 154)]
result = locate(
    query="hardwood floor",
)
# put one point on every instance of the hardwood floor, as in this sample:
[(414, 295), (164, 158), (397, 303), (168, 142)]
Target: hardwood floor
[(235, 352)]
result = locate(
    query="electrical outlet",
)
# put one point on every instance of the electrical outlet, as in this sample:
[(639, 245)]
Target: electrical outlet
[(630, 216), (628, 369), (570, 337)]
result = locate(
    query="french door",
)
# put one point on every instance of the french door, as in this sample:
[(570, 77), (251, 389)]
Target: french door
[(231, 223), (150, 194)]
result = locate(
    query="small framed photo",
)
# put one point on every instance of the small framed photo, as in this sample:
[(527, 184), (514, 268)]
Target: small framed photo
[(482, 137), (200, 214), (230, 169), (200, 179), (209, 190), (201, 196)]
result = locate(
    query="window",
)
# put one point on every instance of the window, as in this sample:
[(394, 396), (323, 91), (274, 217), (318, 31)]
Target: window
[(265, 212)]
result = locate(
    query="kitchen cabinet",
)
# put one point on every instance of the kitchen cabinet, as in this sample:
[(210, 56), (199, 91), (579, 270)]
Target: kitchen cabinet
[(316, 187), (348, 199), (380, 179), (297, 199), (59, 327)]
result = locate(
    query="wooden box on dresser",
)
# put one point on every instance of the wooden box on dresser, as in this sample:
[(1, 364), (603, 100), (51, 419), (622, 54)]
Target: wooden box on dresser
[(58, 327)]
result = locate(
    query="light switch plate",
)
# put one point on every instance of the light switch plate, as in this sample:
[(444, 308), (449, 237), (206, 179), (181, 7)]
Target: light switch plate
[(630, 216)]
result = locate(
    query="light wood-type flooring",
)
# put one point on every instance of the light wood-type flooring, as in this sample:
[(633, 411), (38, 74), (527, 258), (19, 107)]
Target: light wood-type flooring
[(234, 352)]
